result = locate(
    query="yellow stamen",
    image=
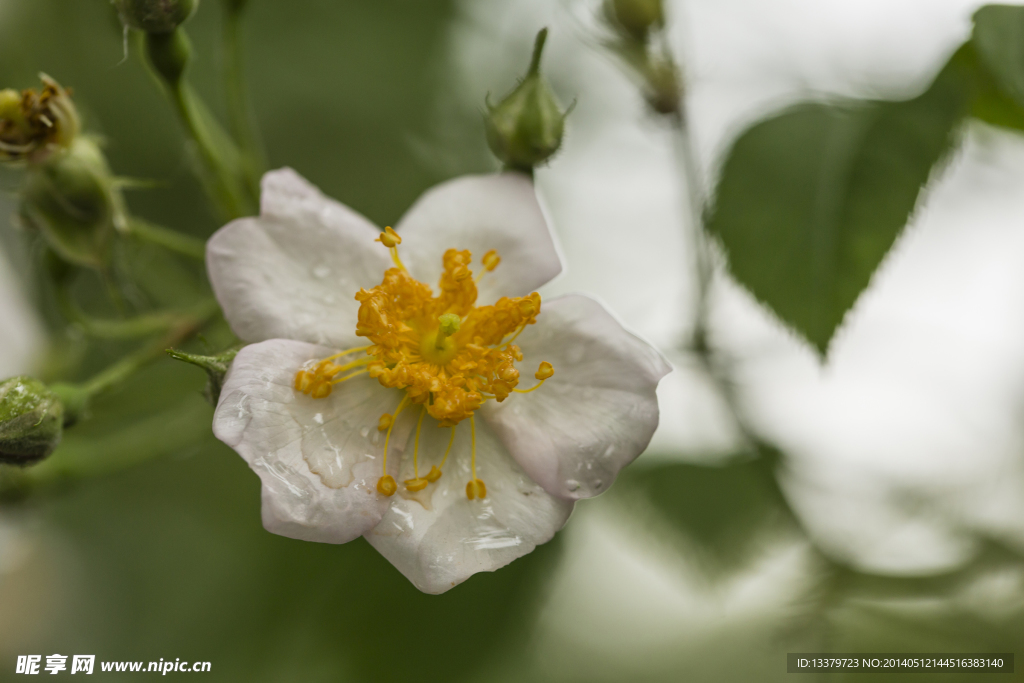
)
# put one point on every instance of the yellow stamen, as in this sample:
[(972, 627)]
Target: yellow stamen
[(545, 371), (317, 381), (386, 484), (385, 421), (417, 483), (491, 260), (396, 260), (345, 353), (476, 487), (444, 351), (328, 369), (389, 238), (348, 377), (303, 381), (472, 436), (435, 470), (321, 389)]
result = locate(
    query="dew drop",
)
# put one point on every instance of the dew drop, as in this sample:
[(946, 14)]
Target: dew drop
[(318, 418), (364, 432), (572, 485)]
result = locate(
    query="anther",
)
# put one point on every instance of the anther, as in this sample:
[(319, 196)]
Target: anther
[(491, 260), (321, 389), (389, 238), (434, 474), (386, 485), (544, 371), (385, 421), (303, 381), (417, 484), (476, 489)]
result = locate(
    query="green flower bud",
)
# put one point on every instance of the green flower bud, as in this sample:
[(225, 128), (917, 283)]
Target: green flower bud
[(635, 18), (72, 202), (216, 368), (664, 86), (525, 129), (31, 421), (33, 126), (155, 16)]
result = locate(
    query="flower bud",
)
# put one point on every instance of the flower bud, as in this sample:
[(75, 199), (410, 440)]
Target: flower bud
[(526, 127), (71, 200), (155, 16), (664, 87), (34, 125), (635, 18), (31, 421)]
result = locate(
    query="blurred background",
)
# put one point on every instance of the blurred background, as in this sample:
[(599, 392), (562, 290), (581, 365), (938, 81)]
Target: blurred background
[(887, 517)]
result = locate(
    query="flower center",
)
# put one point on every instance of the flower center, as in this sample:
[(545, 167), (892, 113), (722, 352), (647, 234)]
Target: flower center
[(438, 347), (447, 354)]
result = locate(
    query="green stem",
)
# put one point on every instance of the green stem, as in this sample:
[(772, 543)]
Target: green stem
[(129, 365), (221, 163), (186, 245), (538, 50), (221, 170), (240, 113)]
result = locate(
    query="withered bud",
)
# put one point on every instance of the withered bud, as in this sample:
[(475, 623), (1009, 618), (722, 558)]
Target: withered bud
[(35, 125)]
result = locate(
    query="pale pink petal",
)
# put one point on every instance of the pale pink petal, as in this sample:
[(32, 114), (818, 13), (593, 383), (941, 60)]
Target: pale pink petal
[(480, 213), (596, 414), (438, 538), (293, 272), (319, 459)]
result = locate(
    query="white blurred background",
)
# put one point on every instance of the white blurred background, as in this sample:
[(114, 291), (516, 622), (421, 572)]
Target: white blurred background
[(906, 443)]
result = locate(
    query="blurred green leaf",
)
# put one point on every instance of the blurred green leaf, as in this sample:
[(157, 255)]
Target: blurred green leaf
[(810, 200), (995, 53), (722, 514), (999, 40)]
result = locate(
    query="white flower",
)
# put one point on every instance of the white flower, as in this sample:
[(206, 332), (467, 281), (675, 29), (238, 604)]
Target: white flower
[(331, 424)]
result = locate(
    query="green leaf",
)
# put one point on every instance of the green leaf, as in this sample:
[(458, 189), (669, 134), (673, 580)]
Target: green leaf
[(999, 40), (996, 55), (723, 515), (810, 200)]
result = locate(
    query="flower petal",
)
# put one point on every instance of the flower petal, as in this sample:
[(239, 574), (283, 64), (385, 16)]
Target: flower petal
[(292, 272), (596, 414), (480, 213), (319, 459), (443, 540)]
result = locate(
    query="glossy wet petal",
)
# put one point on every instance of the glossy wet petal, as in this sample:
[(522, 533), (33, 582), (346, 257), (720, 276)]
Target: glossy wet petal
[(319, 459), (438, 538), (481, 213), (596, 414), (292, 272)]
